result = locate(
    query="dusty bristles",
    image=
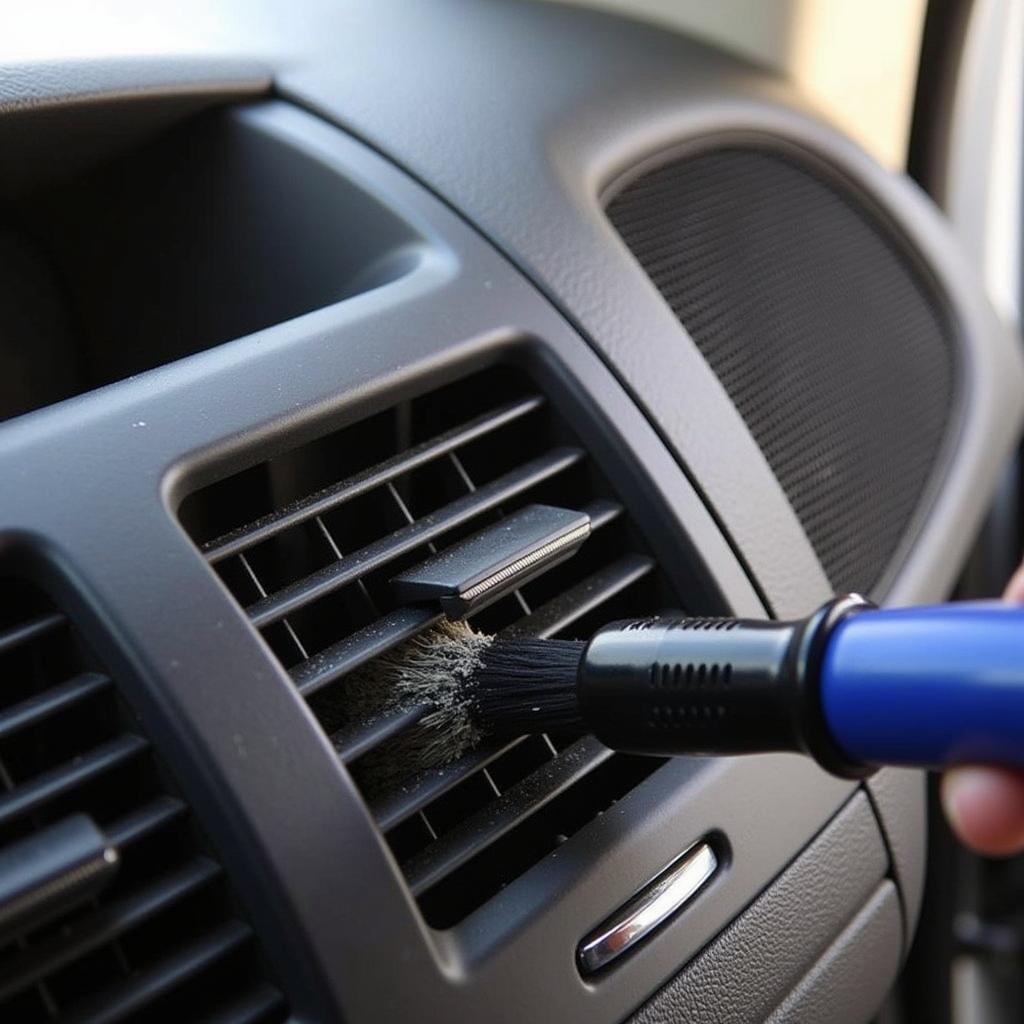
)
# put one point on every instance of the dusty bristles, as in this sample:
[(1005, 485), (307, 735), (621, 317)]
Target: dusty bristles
[(435, 668), (473, 684)]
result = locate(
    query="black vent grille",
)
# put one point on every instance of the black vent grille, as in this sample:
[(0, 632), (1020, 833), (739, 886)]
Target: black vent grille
[(308, 542), (162, 942), (833, 347)]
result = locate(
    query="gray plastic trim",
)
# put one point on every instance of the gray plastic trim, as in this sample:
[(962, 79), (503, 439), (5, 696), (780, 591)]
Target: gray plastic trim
[(99, 477), (602, 95), (898, 796), (542, 106), (89, 109), (850, 982), (51, 84), (753, 966)]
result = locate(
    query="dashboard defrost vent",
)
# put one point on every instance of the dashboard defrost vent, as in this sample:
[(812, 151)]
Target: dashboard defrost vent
[(308, 543), (154, 936)]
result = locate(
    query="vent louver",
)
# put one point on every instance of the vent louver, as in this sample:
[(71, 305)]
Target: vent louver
[(161, 940), (308, 542)]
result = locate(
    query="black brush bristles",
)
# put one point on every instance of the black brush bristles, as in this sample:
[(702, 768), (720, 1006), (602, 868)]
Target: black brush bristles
[(469, 685), (527, 686)]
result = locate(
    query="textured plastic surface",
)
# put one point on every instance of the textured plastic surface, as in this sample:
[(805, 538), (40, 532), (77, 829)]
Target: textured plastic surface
[(90, 110), (898, 796), (604, 95), (849, 399), (281, 811), (850, 982), (606, 98), (816, 896), (928, 686)]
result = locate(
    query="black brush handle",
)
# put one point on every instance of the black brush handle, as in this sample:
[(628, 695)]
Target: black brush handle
[(714, 686)]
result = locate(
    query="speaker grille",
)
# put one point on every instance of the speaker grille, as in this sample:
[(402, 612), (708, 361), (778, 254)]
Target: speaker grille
[(828, 340)]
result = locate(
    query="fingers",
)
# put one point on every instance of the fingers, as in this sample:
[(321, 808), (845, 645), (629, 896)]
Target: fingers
[(985, 807), (1015, 588)]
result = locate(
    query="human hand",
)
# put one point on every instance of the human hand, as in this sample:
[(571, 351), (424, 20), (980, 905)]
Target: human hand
[(985, 806)]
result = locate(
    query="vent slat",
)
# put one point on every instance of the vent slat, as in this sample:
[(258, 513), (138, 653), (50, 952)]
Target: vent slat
[(364, 737), (145, 821), (362, 646), (337, 494), (394, 808), (250, 1007), (602, 513), (50, 702), (138, 992), (104, 926), (324, 581), (470, 837), (25, 632), (571, 605), (59, 780)]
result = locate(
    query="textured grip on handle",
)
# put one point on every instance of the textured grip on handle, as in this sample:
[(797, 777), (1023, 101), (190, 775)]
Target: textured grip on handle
[(691, 686), (715, 686)]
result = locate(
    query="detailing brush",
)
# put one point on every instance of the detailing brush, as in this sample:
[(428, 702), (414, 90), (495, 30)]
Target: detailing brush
[(853, 686)]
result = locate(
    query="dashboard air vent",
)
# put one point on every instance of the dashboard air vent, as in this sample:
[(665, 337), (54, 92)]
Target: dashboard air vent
[(309, 542), (144, 931)]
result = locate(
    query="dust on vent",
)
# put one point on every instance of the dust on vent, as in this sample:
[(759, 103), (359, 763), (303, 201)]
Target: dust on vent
[(308, 541), (162, 940)]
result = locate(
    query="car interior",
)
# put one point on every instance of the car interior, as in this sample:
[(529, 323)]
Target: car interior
[(297, 299)]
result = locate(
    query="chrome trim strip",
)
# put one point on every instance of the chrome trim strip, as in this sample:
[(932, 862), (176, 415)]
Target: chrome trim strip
[(648, 909)]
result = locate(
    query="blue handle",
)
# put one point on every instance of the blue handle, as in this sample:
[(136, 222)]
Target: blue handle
[(928, 686)]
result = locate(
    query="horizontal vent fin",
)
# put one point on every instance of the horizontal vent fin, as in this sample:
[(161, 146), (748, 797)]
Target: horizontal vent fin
[(565, 610), (353, 743), (61, 780), (50, 702), (309, 542), (331, 497), (105, 925), (417, 534), (25, 632), (396, 807), (476, 833), (136, 993)]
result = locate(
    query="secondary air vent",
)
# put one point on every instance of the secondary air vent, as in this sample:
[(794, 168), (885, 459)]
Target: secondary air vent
[(308, 543), (111, 907)]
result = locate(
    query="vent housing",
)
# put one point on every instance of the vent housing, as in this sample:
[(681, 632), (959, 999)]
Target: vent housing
[(308, 542), (163, 941)]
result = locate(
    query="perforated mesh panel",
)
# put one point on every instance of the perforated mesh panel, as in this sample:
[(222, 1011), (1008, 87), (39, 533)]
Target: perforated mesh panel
[(831, 345)]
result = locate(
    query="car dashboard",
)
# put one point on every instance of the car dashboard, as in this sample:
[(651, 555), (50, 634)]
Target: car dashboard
[(298, 298)]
